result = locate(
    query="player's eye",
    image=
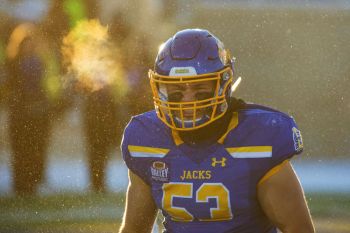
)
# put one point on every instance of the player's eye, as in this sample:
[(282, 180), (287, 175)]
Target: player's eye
[(204, 95), (175, 96)]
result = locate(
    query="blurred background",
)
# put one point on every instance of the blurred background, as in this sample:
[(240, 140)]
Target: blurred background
[(73, 72)]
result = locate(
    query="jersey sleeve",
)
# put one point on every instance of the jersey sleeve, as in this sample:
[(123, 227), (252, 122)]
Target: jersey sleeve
[(134, 164), (287, 141)]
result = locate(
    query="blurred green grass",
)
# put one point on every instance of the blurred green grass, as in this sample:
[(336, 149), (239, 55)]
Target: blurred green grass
[(103, 212), (329, 205)]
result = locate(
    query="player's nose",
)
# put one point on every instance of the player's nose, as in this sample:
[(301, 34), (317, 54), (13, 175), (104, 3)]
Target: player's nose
[(188, 95)]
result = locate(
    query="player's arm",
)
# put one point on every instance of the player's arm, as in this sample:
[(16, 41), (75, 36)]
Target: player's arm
[(140, 210), (282, 199)]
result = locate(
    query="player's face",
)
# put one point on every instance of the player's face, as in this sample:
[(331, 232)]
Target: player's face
[(189, 92)]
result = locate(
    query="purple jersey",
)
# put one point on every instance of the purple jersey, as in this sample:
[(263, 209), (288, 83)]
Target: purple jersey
[(211, 189)]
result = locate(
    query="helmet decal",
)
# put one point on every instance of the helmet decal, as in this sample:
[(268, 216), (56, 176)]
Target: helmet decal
[(182, 71)]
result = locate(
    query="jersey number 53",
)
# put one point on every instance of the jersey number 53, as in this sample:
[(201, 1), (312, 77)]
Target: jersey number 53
[(207, 190)]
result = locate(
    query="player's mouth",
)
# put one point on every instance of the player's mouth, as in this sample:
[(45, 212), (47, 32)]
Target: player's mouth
[(190, 116)]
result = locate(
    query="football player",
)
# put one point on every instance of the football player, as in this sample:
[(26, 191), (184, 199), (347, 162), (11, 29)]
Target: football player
[(210, 162)]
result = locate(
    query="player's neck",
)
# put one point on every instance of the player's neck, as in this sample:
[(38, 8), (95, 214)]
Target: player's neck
[(211, 133), (208, 134)]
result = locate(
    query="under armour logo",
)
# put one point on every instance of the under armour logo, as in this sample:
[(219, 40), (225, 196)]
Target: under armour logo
[(222, 162)]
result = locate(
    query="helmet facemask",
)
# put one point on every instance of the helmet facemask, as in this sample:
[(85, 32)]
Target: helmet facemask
[(209, 102)]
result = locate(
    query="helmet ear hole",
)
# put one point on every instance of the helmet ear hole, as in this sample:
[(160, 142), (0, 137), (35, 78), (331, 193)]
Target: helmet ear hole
[(232, 63)]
